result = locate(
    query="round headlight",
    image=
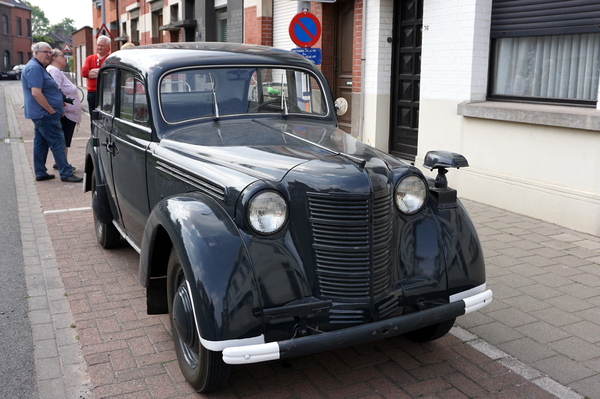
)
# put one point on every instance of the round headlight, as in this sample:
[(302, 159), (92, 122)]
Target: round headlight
[(410, 195), (267, 212)]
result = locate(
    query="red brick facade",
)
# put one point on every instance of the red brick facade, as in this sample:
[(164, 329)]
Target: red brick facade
[(257, 30)]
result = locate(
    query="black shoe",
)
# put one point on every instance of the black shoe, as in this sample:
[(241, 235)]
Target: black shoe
[(73, 168), (72, 179), (48, 176)]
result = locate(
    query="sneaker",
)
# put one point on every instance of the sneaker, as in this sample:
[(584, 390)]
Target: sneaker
[(47, 176), (73, 168), (72, 179)]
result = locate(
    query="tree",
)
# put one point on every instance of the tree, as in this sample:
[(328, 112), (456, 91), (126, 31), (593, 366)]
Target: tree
[(40, 24), (67, 25)]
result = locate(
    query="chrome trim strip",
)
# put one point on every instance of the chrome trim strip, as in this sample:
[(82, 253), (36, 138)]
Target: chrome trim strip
[(209, 188), (126, 237), (465, 294)]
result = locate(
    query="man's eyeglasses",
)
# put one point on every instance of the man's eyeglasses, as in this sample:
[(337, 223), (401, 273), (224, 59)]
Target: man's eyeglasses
[(45, 52)]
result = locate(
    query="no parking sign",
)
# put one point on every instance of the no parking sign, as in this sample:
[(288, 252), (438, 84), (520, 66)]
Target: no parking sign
[(305, 29)]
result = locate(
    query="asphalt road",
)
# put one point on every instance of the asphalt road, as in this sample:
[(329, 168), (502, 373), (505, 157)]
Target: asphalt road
[(17, 369)]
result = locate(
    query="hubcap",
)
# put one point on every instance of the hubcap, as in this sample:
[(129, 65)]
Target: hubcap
[(183, 317)]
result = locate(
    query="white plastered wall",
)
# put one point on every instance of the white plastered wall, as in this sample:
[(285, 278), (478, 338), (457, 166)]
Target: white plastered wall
[(378, 23), (545, 172)]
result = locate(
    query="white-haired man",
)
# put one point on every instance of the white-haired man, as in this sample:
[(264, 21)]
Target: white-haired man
[(91, 67), (43, 103)]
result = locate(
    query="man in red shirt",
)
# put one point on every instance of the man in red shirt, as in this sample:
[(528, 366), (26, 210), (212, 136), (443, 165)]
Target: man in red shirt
[(92, 65)]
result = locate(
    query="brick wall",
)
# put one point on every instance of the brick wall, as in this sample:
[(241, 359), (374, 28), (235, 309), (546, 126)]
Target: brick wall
[(257, 30)]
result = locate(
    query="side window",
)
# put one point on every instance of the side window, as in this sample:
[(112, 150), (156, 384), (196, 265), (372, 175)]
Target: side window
[(107, 91), (133, 103)]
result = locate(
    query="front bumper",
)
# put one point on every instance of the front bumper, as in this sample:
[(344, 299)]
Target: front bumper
[(354, 335)]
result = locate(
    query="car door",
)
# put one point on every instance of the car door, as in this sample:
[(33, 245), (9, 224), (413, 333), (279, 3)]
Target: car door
[(131, 136), (102, 125)]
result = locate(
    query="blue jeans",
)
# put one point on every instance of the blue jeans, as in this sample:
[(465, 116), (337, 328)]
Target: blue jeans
[(48, 134)]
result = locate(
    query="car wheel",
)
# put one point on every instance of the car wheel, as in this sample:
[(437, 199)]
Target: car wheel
[(432, 332), (202, 368), (107, 235)]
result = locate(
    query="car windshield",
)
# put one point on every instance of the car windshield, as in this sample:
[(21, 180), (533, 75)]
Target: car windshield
[(215, 92)]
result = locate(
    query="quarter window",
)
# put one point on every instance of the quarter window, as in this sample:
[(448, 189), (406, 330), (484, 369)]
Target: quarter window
[(107, 91), (133, 104)]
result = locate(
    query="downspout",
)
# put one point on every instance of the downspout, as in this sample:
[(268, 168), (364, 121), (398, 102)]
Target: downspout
[(363, 61)]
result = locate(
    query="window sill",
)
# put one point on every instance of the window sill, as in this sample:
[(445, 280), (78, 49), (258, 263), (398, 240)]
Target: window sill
[(537, 114)]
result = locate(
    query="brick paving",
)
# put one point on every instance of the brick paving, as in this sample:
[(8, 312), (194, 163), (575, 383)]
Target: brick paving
[(540, 338)]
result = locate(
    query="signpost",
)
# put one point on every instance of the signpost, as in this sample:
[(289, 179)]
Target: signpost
[(305, 31)]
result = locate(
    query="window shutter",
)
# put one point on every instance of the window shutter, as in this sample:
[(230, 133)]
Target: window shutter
[(518, 18)]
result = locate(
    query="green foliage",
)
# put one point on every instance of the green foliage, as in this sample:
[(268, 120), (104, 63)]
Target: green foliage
[(40, 24), (67, 24)]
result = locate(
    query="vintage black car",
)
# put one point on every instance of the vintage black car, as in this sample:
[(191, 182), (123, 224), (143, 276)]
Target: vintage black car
[(264, 230)]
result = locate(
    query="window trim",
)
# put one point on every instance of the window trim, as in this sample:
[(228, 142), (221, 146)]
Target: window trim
[(525, 99), (536, 114)]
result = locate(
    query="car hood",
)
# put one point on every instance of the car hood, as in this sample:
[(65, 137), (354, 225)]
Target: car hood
[(269, 149)]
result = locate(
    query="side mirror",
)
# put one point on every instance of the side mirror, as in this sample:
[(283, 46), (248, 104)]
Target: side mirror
[(442, 160), (341, 106)]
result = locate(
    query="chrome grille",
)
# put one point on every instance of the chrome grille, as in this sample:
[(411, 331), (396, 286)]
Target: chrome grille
[(352, 242)]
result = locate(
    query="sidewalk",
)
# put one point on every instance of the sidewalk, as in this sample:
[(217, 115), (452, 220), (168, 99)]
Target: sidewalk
[(540, 338)]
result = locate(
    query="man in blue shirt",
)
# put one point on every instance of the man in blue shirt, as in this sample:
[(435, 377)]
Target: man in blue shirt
[(44, 106)]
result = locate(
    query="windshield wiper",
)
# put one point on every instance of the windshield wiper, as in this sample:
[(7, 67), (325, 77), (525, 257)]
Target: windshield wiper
[(284, 107), (215, 105)]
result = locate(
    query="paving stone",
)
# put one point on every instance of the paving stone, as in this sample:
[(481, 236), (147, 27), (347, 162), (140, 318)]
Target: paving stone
[(586, 330), (542, 332), (590, 387), (527, 350), (526, 303), (556, 317), (496, 333), (576, 348), (566, 369), (512, 317)]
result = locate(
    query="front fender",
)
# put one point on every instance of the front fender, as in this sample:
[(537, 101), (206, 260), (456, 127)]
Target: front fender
[(215, 261), (464, 256)]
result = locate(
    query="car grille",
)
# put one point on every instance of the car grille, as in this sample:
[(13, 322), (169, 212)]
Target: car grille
[(352, 243)]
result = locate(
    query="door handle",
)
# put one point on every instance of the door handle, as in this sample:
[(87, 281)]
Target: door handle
[(111, 148)]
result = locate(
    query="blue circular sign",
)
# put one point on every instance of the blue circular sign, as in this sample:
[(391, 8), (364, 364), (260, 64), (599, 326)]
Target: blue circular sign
[(305, 29)]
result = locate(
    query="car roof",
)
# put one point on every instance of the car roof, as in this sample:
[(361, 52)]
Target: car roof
[(162, 57)]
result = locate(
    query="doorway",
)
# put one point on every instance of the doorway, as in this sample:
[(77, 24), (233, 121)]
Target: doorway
[(342, 64), (406, 78)]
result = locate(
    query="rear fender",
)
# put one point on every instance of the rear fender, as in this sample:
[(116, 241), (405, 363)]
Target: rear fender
[(215, 261), (101, 200)]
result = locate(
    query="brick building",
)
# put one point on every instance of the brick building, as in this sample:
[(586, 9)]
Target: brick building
[(15, 33)]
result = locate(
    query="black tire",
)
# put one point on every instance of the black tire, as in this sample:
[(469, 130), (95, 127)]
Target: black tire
[(107, 234), (431, 333), (202, 368)]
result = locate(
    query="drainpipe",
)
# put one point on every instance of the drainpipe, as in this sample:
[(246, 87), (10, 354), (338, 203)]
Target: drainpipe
[(363, 61)]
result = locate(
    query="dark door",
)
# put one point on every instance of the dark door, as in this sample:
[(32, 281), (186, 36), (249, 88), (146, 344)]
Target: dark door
[(406, 77), (102, 126), (344, 12)]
